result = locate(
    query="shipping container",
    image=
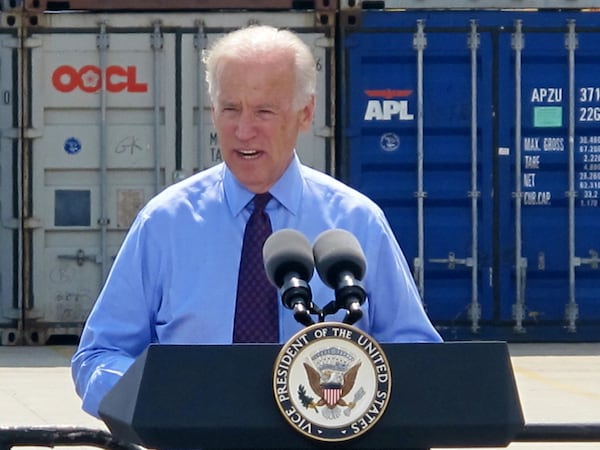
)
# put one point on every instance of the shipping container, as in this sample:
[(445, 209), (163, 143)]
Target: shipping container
[(116, 112), (478, 132)]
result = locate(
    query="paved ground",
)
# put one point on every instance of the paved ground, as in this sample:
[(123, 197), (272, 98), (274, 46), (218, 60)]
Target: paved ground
[(558, 383)]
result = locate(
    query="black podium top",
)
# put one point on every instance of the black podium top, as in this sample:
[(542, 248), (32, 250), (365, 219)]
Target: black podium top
[(184, 396)]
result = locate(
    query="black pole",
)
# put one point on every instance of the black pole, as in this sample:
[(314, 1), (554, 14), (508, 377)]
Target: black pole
[(560, 432), (60, 436)]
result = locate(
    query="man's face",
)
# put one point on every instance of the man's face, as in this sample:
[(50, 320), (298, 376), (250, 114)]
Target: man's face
[(255, 121)]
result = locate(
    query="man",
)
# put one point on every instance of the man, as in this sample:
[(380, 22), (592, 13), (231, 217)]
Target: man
[(175, 277)]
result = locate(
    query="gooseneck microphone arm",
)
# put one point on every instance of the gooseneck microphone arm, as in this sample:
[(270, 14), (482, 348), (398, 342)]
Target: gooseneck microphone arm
[(350, 295), (296, 295), (289, 264)]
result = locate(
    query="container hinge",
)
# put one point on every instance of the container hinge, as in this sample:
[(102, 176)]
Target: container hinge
[(417, 265), (80, 257), (32, 42), (453, 261), (324, 132), (17, 133), (178, 175), (31, 223), (32, 133), (325, 42), (593, 260)]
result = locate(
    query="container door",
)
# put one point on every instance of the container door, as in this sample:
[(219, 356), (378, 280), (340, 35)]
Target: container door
[(550, 189), (200, 148), (9, 191), (418, 133), (103, 100)]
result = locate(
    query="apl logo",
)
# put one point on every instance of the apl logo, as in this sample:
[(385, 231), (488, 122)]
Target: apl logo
[(383, 104), (89, 78)]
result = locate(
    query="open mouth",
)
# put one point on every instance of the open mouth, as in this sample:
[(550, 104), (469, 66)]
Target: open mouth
[(249, 154)]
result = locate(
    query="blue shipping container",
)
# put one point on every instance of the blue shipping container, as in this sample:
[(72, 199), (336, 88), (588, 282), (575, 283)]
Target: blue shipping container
[(478, 132)]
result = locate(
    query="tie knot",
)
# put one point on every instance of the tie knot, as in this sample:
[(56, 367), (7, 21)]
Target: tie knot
[(260, 201)]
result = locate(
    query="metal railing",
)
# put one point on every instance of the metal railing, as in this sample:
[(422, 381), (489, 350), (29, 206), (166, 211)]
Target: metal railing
[(60, 436), (73, 436), (560, 432)]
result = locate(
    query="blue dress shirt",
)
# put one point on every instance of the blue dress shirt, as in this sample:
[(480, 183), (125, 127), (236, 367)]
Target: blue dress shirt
[(175, 277)]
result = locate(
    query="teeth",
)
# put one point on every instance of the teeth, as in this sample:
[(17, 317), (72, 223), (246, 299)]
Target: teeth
[(248, 152)]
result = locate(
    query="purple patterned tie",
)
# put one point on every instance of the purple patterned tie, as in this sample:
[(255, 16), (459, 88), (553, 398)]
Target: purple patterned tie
[(256, 309)]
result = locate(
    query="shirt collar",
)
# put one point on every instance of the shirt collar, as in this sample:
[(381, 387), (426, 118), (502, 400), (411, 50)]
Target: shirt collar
[(287, 190)]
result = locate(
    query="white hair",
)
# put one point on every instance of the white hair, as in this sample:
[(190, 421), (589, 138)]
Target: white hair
[(251, 42)]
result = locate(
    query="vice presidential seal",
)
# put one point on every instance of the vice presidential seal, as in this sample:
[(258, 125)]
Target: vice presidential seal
[(332, 382)]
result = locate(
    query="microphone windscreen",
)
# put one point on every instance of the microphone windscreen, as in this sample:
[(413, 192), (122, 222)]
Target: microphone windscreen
[(287, 251), (336, 251)]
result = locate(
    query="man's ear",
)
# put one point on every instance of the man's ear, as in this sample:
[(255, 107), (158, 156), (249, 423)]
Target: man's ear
[(306, 114)]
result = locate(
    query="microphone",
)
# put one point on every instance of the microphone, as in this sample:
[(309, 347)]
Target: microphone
[(289, 264), (341, 264)]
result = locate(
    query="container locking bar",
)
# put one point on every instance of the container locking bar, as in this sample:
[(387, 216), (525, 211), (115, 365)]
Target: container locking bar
[(518, 43), (103, 44), (473, 42), (200, 43), (452, 261), (571, 309), (80, 257), (419, 45), (593, 260)]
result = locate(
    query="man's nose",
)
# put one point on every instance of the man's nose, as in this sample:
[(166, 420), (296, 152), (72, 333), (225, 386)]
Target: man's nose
[(246, 126)]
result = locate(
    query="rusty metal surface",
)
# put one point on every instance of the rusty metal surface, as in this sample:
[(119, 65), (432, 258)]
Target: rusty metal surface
[(174, 5)]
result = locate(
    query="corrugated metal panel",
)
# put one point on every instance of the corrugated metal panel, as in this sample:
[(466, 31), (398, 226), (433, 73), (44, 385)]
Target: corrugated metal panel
[(429, 123), (102, 153)]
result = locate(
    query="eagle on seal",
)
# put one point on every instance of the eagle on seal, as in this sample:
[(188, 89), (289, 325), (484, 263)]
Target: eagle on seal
[(331, 386)]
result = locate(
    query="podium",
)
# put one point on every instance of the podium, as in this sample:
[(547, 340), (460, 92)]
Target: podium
[(455, 394)]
